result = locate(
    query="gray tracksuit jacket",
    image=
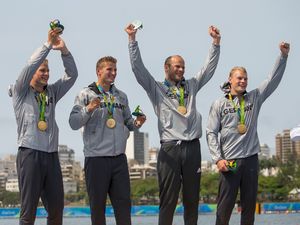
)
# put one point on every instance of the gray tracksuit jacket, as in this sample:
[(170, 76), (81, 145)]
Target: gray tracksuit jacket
[(26, 105), (223, 139), (98, 139), (171, 124)]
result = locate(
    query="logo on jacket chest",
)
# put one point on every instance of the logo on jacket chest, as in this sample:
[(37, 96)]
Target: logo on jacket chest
[(230, 109), (174, 95), (115, 105)]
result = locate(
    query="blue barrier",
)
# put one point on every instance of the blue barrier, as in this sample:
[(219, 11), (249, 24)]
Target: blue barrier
[(85, 211), (281, 207), (146, 210)]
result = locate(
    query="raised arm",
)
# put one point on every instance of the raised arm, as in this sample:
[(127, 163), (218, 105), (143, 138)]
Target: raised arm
[(269, 85), (144, 78), (63, 85), (207, 71), (23, 81)]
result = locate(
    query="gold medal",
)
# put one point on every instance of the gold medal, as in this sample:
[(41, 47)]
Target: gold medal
[(111, 123), (42, 125), (182, 110), (242, 128)]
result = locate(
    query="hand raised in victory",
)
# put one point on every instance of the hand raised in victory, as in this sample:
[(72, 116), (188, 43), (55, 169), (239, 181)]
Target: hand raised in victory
[(214, 32), (284, 48), (131, 32)]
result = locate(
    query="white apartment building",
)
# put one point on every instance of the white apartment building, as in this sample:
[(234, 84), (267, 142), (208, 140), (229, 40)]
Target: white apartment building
[(137, 172), (12, 185), (70, 186)]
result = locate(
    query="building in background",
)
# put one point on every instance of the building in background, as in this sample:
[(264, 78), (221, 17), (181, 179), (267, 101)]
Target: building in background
[(3, 179), (65, 154), (8, 172), (265, 152), (153, 153), (137, 147), (137, 172), (12, 184), (286, 149), (278, 147), (72, 171), (141, 160), (206, 166)]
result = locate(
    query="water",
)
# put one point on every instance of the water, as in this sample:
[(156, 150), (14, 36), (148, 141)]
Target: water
[(263, 219)]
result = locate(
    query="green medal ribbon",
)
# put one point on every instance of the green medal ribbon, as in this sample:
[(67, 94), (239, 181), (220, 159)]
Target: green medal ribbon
[(110, 105), (42, 105), (240, 110), (179, 93), (181, 97)]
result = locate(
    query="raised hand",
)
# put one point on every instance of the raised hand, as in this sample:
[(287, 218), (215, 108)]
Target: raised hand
[(53, 36), (214, 32), (56, 41), (284, 48), (131, 32)]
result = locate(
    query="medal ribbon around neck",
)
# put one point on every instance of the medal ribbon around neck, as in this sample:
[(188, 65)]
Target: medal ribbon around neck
[(41, 98), (240, 110), (109, 105), (179, 93)]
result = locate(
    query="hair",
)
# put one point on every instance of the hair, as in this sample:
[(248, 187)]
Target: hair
[(45, 62), (239, 68), (168, 60), (105, 59)]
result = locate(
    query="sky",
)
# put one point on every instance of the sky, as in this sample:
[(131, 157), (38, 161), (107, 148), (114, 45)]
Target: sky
[(251, 32)]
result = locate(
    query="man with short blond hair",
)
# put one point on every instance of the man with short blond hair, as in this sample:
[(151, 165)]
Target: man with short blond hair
[(233, 140), (102, 110), (34, 102)]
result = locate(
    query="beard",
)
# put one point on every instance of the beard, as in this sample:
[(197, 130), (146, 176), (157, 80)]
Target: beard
[(175, 78), (43, 82)]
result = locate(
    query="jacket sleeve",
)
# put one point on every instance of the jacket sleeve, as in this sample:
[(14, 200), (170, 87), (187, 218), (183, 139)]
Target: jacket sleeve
[(79, 115), (23, 81), (128, 120), (207, 71), (269, 85), (212, 132), (142, 75), (64, 84)]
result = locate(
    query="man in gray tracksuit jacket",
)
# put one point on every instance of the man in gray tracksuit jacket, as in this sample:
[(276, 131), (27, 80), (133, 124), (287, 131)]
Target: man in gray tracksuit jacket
[(233, 141), (34, 104), (179, 125), (103, 113)]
